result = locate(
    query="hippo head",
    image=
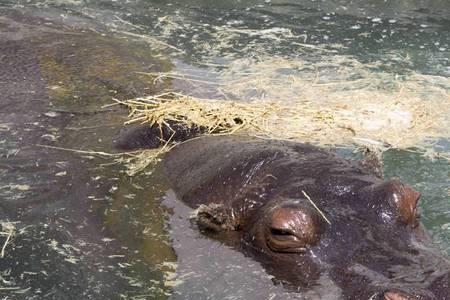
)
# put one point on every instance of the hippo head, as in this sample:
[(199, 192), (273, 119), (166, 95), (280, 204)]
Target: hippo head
[(369, 243)]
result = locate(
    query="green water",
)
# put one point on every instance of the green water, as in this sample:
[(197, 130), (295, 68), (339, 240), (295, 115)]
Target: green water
[(106, 42)]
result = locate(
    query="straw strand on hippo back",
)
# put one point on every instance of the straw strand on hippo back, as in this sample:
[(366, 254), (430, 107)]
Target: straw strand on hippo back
[(305, 212)]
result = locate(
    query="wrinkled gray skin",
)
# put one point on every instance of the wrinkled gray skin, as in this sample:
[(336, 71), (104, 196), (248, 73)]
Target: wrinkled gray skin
[(253, 194)]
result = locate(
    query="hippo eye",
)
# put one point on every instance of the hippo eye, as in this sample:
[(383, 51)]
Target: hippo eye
[(292, 229), (280, 232)]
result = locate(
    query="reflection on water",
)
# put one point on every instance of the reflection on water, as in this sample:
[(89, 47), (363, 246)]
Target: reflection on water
[(407, 35), (81, 226)]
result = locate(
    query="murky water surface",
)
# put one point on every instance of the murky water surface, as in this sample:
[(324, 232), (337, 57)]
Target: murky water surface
[(74, 225)]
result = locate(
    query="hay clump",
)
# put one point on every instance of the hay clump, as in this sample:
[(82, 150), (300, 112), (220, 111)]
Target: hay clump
[(335, 101), (7, 231), (381, 121), (218, 116)]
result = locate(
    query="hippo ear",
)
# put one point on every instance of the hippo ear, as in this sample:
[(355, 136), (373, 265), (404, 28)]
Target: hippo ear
[(405, 199), (397, 195), (215, 217)]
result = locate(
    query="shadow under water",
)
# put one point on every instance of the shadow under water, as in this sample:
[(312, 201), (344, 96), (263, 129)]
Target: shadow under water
[(71, 227)]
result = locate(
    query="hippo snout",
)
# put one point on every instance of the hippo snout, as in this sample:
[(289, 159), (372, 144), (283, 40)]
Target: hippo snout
[(404, 294), (395, 294), (437, 290)]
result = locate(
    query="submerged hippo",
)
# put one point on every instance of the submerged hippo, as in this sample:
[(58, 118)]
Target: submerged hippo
[(304, 212)]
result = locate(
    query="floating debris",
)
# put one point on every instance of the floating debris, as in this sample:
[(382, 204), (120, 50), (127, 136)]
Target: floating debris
[(339, 101), (315, 206), (8, 230)]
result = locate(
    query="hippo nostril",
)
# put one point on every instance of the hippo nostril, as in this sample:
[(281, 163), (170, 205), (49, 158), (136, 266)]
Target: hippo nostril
[(396, 295)]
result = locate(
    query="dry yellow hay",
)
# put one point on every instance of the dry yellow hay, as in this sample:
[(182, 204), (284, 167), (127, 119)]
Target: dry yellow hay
[(395, 123), (7, 231), (339, 101)]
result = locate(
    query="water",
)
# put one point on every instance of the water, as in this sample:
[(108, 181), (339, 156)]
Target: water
[(81, 225)]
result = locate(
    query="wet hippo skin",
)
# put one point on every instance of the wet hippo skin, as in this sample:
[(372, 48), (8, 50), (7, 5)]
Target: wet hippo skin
[(371, 243), (306, 213)]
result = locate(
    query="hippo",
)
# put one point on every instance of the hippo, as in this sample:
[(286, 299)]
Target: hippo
[(304, 212)]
